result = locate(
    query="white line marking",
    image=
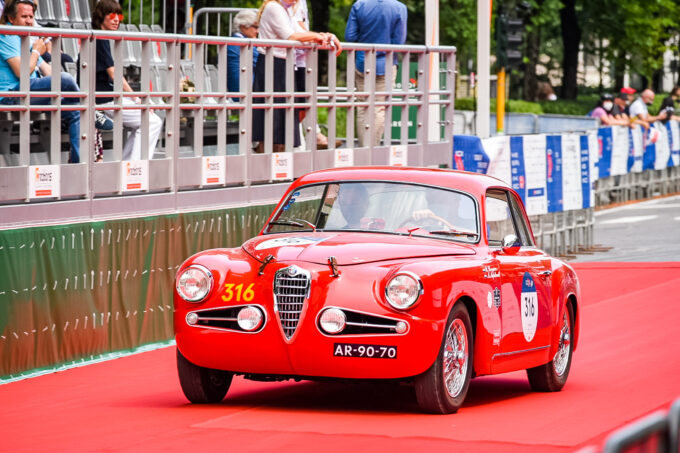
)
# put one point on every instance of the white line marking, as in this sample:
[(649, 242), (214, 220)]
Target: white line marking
[(629, 219)]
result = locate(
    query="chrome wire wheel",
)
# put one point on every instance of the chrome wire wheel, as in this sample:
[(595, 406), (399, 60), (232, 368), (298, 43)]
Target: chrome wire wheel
[(455, 358), (561, 359)]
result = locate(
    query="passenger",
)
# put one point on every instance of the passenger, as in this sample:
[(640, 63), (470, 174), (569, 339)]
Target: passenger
[(379, 22), (276, 23), (21, 13), (245, 24), (446, 210), (107, 15), (353, 202)]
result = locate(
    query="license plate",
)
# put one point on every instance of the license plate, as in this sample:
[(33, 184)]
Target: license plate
[(370, 351)]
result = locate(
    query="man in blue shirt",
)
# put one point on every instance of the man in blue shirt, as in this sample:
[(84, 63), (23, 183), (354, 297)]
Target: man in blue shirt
[(375, 22), (20, 13)]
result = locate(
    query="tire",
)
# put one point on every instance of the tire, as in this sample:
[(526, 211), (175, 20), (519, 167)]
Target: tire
[(552, 376), (442, 389), (202, 385)]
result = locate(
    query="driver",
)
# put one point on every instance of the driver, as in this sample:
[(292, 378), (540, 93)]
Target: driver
[(445, 208), (353, 202)]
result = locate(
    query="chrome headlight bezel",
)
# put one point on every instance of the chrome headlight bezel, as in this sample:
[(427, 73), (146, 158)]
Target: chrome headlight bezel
[(411, 289), (332, 320), (202, 273)]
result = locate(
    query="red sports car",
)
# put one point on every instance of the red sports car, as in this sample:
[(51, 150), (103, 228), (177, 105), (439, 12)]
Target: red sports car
[(422, 275)]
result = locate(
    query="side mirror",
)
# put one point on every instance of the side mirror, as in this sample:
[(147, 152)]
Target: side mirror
[(511, 244)]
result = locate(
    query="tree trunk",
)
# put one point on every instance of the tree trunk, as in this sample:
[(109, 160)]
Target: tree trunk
[(619, 70), (571, 39), (533, 47)]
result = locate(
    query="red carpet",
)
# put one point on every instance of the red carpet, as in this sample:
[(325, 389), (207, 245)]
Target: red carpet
[(627, 365)]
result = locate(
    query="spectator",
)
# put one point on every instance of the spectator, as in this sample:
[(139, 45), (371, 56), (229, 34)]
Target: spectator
[(380, 22), (276, 23), (300, 15), (668, 104), (620, 105), (245, 24), (603, 111), (629, 95), (638, 109), (107, 15), (21, 13)]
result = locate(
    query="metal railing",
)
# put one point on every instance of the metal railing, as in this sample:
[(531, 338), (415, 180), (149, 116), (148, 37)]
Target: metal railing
[(175, 174)]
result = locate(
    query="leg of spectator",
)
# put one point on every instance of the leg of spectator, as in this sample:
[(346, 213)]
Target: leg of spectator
[(70, 118), (361, 111), (380, 83), (132, 119), (155, 126)]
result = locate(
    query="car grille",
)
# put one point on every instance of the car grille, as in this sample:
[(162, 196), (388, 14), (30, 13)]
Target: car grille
[(291, 288)]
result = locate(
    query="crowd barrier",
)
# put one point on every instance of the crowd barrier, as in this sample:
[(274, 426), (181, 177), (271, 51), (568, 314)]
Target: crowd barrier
[(562, 178)]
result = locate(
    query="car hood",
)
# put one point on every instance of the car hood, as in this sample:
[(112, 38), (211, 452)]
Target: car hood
[(349, 248)]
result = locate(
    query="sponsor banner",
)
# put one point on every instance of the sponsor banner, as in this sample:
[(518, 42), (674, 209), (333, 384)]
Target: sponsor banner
[(604, 160), (584, 161), (572, 191), (649, 139), (663, 147), (498, 151), (213, 170), (535, 168), (469, 154), (637, 149), (398, 156), (134, 175), (344, 157), (553, 173), (282, 166), (44, 181), (674, 134), (620, 150)]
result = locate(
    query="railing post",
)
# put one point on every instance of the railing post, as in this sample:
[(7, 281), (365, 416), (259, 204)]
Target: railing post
[(390, 74), (172, 119), (332, 98), (405, 86), (290, 99), (351, 97), (55, 116), (118, 102), (25, 113), (222, 112), (199, 82), (311, 118), (145, 88)]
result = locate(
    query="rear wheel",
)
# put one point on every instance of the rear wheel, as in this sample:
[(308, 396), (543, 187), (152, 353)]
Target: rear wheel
[(443, 387), (552, 376), (202, 385)]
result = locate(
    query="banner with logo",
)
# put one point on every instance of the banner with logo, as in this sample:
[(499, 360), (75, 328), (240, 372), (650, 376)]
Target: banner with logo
[(398, 155), (44, 181), (134, 175), (213, 170), (674, 140), (344, 157), (282, 166), (469, 154)]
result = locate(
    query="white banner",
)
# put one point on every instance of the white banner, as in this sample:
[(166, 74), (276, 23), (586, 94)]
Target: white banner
[(282, 166), (675, 148), (637, 150), (213, 170), (663, 149), (398, 155), (535, 168), (134, 175), (498, 150), (344, 157), (620, 150), (572, 190), (44, 181)]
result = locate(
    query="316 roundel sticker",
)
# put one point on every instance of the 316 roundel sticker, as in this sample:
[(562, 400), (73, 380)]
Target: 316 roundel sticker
[(529, 307)]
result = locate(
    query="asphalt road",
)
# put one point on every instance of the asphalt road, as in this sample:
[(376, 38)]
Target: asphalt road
[(643, 231)]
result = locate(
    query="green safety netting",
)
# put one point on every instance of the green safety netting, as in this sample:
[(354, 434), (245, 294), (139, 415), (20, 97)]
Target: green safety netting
[(77, 292)]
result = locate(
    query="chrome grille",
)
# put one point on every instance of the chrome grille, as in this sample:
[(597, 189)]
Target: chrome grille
[(291, 288)]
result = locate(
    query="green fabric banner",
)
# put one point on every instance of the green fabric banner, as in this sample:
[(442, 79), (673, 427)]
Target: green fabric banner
[(80, 291)]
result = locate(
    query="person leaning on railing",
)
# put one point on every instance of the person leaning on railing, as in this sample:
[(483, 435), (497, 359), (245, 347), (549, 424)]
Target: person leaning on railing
[(21, 13), (107, 15), (245, 24), (276, 23)]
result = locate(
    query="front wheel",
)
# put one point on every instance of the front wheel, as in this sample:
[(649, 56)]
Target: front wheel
[(552, 376), (202, 385), (443, 387)]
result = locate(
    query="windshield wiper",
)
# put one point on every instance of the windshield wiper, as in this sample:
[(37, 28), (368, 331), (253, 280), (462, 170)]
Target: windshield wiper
[(295, 222), (454, 233)]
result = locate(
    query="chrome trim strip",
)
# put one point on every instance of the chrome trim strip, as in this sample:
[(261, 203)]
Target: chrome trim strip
[(225, 329), (201, 318), (503, 354), (377, 326), (355, 335)]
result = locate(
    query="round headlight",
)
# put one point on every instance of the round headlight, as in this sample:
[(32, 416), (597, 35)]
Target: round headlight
[(250, 318), (333, 320), (403, 291), (194, 283)]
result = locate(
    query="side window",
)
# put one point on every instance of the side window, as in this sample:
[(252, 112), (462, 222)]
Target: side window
[(499, 221), (520, 221)]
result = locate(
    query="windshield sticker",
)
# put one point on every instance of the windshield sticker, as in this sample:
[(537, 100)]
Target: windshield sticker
[(288, 241), (529, 307)]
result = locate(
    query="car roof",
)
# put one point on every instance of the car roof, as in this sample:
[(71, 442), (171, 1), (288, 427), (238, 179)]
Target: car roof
[(461, 180)]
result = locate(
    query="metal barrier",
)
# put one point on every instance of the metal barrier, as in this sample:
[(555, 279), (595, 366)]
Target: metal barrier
[(175, 180), (648, 434)]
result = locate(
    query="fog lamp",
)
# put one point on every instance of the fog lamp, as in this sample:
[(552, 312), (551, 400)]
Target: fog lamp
[(333, 320), (250, 318)]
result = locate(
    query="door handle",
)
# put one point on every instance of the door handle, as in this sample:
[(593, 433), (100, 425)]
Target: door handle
[(545, 274)]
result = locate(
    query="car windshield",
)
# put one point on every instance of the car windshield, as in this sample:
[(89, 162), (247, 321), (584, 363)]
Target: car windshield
[(385, 207)]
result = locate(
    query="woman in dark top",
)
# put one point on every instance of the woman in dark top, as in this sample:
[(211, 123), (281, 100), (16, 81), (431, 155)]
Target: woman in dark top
[(107, 15)]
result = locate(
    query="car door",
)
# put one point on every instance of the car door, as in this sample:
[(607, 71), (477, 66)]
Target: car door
[(526, 309)]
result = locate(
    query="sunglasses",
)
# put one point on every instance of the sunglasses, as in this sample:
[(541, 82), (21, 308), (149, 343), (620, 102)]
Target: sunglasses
[(113, 16)]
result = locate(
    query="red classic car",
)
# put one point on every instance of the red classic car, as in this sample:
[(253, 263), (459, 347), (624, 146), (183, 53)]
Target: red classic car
[(422, 275)]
